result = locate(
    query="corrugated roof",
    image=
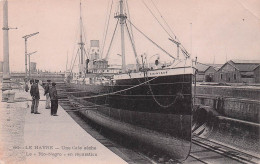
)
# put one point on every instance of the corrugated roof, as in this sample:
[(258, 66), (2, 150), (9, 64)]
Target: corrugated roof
[(237, 61), (245, 65), (203, 67), (256, 67), (216, 66)]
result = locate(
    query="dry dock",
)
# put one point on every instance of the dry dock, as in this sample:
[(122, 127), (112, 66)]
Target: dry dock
[(41, 138), (31, 138)]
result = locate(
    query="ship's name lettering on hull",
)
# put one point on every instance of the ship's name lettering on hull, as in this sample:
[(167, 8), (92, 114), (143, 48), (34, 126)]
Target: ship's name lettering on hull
[(159, 73)]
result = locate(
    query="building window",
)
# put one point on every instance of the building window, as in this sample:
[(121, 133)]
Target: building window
[(221, 76), (235, 76)]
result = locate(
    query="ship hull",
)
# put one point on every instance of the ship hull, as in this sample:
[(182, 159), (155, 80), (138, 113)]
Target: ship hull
[(153, 109)]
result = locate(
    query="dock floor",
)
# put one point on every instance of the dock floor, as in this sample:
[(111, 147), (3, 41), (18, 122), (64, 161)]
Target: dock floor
[(41, 138)]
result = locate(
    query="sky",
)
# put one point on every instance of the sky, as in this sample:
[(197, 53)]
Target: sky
[(211, 30)]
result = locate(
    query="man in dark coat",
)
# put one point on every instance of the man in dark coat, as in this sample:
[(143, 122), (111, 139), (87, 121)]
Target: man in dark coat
[(54, 99), (46, 93), (32, 106), (35, 97)]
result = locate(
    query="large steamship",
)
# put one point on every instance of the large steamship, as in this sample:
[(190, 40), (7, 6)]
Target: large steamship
[(152, 106)]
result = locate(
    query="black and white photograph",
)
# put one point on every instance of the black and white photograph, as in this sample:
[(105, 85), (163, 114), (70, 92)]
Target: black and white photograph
[(130, 81)]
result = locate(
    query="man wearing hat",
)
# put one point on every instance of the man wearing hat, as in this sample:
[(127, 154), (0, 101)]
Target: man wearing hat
[(46, 93), (54, 99), (31, 84), (35, 97)]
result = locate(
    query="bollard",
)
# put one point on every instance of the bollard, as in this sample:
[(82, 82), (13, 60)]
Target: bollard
[(4, 96), (8, 96), (11, 96)]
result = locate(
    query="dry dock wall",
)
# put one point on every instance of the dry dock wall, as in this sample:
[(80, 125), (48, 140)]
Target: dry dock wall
[(241, 103), (251, 93), (229, 115)]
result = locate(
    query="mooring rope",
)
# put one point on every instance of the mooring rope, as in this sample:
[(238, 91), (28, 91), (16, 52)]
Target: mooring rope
[(167, 106), (89, 97), (161, 105)]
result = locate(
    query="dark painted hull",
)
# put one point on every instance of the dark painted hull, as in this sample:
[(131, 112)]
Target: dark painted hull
[(157, 113)]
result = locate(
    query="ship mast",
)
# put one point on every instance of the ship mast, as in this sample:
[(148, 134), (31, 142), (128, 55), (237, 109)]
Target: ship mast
[(81, 43), (122, 18)]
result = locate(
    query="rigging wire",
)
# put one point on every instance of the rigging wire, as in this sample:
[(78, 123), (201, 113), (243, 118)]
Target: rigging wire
[(164, 20), (76, 34), (181, 46), (74, 62), (157, 20), (128, 12), (124, 6), (106, 29), (111, 40), (86, 71), (67, 63), (117, 9), (84, 34), (79, 58), (133, 46), (151, 40), (72, 65), (85, 39), (87, 54)]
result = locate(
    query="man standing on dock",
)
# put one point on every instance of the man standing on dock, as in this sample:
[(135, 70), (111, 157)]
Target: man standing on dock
[(46, 93), (32, 106), (54, 99), (35, 97)]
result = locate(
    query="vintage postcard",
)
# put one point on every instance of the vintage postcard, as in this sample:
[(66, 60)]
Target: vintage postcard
[(129, 81)]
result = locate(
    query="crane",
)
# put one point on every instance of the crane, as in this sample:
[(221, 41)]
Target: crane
[(25, 39)]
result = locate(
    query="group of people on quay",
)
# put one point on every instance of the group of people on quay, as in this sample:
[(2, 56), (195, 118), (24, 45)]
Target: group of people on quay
[(49, 91)]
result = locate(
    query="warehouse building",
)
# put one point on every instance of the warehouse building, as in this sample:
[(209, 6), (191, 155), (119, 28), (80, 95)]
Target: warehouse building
[(239, 71)]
